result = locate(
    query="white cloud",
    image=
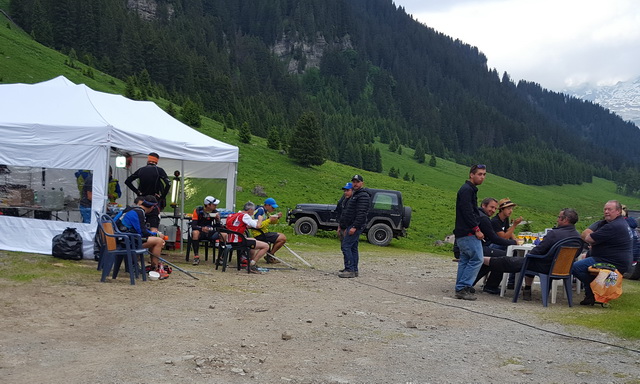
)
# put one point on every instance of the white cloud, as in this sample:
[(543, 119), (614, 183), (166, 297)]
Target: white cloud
[(552, 42)]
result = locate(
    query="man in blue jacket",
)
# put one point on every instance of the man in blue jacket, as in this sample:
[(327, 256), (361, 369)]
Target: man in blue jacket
[(468, 234), (352, 222)]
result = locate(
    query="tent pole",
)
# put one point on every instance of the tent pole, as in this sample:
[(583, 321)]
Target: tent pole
[(181, 207)]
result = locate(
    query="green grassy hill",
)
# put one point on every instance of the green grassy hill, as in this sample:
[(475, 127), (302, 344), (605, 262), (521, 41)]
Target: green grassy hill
[(432, 195)]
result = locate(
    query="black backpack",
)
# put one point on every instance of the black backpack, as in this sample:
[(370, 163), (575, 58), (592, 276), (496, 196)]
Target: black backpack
[(68, 245)]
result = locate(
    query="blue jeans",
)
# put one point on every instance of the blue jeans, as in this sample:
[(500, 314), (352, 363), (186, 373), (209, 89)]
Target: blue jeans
[(350, 250), (471, 258), (85, 212), (580, 270)]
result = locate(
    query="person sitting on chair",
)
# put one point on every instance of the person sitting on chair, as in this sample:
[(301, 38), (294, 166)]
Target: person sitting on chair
[(263, 234), (203, 223), (239, 222), (567, 218), (132, 221), (611, 242)]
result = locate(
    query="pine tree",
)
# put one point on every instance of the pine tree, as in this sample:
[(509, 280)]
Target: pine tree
[(171, 110), (273, 138), (306, 147), (406, 176), (378, 161), (191, 114), (393, 146), (229, 121), (432, 161), (244, 133), (419, 154), (400, 149), (130, 89)]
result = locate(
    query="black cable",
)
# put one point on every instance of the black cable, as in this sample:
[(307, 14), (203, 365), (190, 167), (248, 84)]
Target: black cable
[(493, 316)]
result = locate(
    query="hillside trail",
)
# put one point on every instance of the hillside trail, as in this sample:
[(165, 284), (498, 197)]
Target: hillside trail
[(396, 323)]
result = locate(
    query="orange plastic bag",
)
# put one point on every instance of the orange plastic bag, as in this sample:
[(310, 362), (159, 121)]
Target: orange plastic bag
[(607, 285)]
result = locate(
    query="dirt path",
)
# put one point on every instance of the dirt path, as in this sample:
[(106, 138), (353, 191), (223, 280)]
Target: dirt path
[(396, 323)]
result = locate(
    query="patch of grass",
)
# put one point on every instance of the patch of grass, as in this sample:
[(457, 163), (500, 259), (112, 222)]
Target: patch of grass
[(513, 360), (620, 318), (24, 268)]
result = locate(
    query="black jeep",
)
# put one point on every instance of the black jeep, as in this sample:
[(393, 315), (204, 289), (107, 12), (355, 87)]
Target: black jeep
[(387, 218)]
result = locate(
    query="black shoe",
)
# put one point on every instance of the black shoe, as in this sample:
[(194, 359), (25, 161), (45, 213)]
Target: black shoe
[(491, 290), (526, 294), (347, 274), (588, 300), (465, 294), (472, 290)]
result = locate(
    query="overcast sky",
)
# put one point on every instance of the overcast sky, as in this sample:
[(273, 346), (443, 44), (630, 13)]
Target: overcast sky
[(556, 43)]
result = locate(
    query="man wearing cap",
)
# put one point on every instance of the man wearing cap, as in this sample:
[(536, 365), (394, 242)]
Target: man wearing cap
[(204, 220), (133, 220), (468, 234), (346, 195), (153, 181), (352, 222), (500, 222), (263, 234)]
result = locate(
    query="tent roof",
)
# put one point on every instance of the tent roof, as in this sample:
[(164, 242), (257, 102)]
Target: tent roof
[(59, 111)]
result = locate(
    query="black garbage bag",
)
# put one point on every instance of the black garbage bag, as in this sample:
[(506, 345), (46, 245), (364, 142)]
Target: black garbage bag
[(68, 245)]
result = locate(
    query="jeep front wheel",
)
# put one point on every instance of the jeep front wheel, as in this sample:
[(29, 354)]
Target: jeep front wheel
[(306, 226), (380, 234)]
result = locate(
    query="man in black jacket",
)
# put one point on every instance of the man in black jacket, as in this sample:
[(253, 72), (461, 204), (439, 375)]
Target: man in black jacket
[(468, 234), (352, 222), (344, 199)]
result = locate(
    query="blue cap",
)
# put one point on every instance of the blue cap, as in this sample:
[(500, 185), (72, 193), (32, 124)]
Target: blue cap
[(271, 202), (348, 186)]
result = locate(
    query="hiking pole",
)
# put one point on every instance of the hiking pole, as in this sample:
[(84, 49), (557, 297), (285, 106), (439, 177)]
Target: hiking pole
[(298, 256), (176, 267), (282, 261)]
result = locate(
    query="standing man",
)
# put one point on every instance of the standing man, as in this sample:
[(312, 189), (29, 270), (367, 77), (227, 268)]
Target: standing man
[(346, 195), (154, 182), (468, 234), (611, 242), (204, 220), (352, 222), (86, 197)]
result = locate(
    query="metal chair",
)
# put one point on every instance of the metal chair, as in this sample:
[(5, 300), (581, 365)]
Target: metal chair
[(563, 253), (116, 246), (241, 247)]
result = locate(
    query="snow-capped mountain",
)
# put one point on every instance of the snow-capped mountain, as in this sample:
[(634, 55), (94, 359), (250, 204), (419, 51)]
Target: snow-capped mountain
[(622, 98)]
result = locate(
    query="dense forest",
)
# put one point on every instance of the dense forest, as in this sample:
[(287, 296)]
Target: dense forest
[(364, 68)]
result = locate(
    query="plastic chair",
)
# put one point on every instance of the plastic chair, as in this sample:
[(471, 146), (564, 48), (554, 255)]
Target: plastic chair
[(116, 246), (241, 247), (563, 253)]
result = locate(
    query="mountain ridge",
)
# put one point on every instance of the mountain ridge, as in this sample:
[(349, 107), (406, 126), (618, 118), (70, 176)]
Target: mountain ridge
[(622, 98)]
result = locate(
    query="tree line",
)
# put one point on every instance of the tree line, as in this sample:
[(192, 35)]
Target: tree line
[(381, 76)]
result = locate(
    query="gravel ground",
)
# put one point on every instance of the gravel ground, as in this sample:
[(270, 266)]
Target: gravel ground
[(396, 323)]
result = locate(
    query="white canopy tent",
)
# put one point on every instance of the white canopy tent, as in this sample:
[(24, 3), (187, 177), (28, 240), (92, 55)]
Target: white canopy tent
[(57, 124)]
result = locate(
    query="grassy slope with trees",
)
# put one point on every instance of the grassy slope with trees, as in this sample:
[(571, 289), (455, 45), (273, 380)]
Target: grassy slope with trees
[(432, 195)]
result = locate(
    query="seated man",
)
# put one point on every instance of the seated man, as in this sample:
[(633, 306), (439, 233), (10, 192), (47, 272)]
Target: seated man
[(263, 234), (611, 242), (203, 223), (485, 211), (132, 220), (239, 222), (567, 218)]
